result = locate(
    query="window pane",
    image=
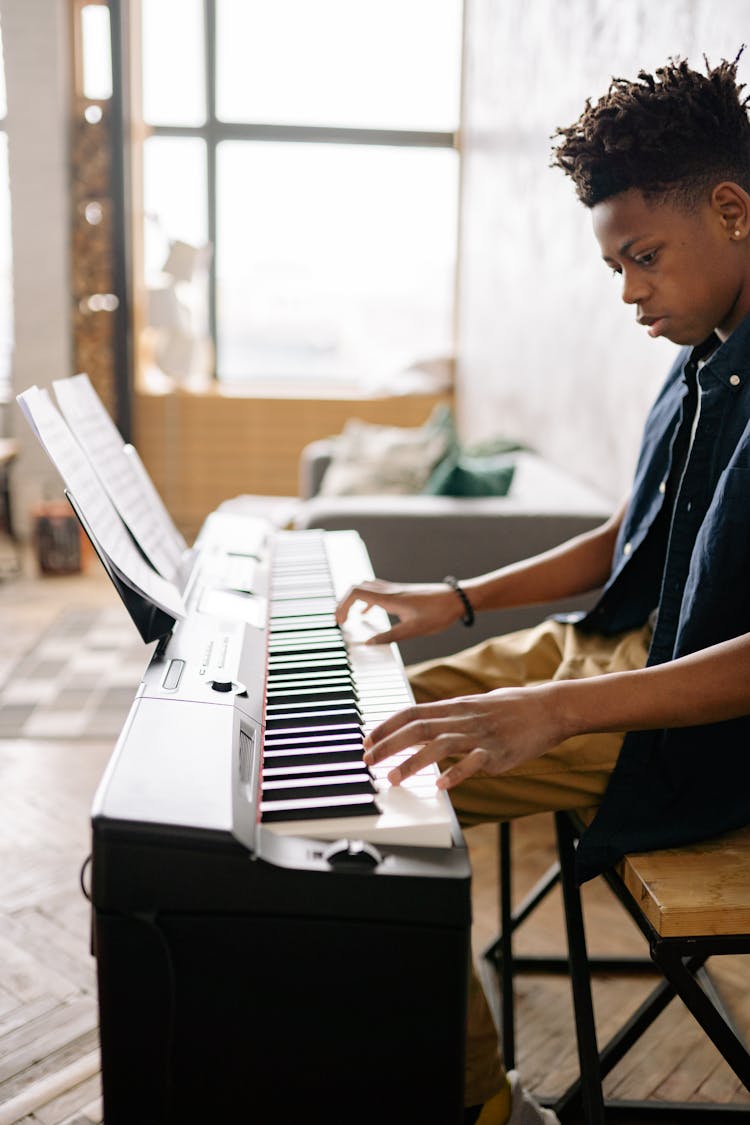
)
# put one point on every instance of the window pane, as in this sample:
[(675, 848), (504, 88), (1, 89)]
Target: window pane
[(174, 84), (174, 196), (371, 64), (333, 260), (97, 52), (6, 274)]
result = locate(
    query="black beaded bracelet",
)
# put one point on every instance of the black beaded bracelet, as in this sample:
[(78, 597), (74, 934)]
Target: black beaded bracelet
[(468, 618)]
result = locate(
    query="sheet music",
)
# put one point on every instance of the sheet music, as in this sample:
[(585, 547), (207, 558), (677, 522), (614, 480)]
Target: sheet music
[(97, 508), (124, 480)]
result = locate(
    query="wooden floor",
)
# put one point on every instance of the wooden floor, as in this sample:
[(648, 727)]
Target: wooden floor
[(48, 1035)]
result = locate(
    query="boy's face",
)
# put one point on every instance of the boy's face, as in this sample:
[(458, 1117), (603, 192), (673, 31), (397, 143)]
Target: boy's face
[(685, 271)]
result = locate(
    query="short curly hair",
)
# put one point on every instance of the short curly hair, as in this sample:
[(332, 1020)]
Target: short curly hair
[(673, 134)]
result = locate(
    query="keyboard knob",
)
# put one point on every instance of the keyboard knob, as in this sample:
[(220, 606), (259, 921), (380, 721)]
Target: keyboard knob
[(349, 854)]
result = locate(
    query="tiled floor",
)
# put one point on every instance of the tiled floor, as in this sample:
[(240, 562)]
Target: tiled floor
[(49, 1059), (77, 680)]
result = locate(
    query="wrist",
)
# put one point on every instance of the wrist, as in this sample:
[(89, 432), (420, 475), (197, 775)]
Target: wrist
[(467, 616), (564, 700), (487, 592), (605, 702)]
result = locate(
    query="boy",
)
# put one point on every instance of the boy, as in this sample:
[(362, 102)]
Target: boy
[(531, 721)]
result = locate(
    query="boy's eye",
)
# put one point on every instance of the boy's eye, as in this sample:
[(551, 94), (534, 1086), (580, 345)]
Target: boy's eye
[(614, 271), (646, 259)]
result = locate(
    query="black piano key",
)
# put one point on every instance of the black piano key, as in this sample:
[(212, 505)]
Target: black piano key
[(303, 700), (308, 656), (312, 635), (305, 788), (347, 756), (316, 809), (314, 708), (334, 701), (318, 678), (312, 688), (290, 634), (335, 736), (310, 695), (283, 632), (306, 664), (332, 660), (312, 718), (310, 768), (321, 721), (307, 648)]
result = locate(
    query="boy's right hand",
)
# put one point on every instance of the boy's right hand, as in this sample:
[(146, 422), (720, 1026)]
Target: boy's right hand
[(421, 608)]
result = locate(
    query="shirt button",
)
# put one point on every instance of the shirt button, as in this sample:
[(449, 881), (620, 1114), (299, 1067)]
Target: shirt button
[(663, 487), (734, 380), (627, 548)]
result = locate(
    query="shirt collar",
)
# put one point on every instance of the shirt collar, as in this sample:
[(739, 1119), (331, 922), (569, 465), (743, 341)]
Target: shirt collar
[(727, 359)]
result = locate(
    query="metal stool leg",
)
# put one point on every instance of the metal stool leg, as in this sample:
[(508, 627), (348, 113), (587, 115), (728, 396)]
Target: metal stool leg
[(588, 1051), (508, 1028)]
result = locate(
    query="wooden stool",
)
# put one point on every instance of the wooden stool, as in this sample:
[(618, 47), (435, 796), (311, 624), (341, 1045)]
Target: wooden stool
[(690, 903), (505, 963)]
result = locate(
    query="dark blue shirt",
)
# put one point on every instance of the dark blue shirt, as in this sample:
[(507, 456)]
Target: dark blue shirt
[(684, 547)]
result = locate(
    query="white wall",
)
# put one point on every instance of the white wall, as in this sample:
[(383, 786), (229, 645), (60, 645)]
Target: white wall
[(547, 351), (36, 49)]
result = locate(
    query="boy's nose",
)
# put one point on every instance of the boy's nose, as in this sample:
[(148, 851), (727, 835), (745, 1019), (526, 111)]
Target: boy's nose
[(634, 288)]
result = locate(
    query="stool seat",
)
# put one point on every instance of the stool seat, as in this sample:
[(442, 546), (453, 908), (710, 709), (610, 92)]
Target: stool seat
[(696, 890)]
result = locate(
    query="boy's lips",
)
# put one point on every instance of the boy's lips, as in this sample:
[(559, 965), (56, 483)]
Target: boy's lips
[(652, 324)]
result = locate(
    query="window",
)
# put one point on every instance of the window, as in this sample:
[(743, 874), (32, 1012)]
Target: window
[(305, 150), (6, 262)]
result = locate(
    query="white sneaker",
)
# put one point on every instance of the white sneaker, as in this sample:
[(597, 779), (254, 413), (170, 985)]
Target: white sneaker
[(524, 1109)]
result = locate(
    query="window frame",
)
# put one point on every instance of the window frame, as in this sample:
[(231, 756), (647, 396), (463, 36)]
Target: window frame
[(214, 131)]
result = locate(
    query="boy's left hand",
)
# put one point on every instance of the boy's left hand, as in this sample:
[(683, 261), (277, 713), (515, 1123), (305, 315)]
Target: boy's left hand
[(489, 734)]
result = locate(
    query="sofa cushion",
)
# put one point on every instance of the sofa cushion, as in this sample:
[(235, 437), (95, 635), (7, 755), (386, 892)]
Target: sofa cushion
[(387, 460), (460, 474)]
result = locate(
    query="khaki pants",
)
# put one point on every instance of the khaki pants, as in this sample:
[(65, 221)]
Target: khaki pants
[(572, 775)]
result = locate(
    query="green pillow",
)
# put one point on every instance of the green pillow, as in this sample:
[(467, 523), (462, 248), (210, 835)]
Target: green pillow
[(460, 474)]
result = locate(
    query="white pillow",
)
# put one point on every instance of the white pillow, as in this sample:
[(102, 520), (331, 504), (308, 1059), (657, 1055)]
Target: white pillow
[(370, 460)]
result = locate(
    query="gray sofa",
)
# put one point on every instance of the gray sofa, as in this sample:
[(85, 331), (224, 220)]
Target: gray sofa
[(423, 538)]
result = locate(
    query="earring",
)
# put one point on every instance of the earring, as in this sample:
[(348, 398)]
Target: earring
[(737, 233)]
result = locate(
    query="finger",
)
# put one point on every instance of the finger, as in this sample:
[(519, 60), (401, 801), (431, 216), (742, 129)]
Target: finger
[(415, 733), (445, 746), (414, 714), (344, 606), (370, 593), (467, 766), (380, 638), (399, 632)]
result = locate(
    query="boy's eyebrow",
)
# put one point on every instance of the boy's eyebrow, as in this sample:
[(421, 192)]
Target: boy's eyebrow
[(625, 246)]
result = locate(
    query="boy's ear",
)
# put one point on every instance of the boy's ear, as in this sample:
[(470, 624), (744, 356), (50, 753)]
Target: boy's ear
[(731, 204)]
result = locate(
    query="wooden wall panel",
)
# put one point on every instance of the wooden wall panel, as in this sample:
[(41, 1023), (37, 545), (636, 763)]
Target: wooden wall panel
[(201, 449)]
